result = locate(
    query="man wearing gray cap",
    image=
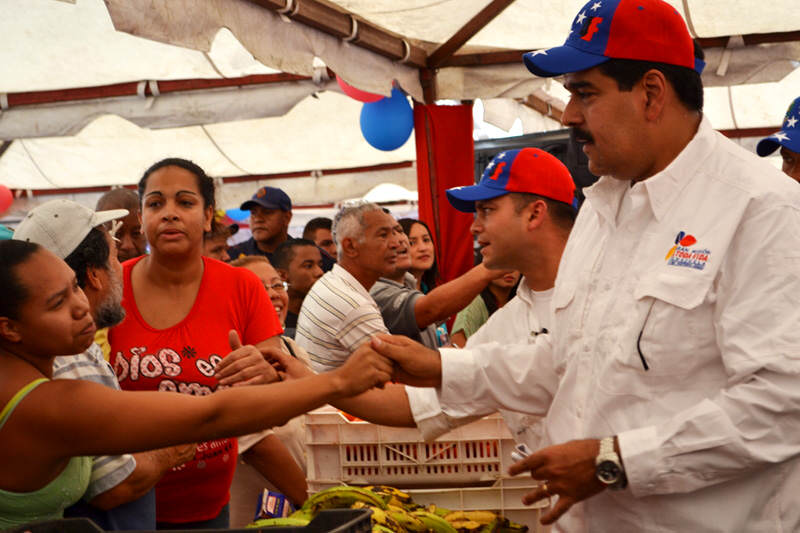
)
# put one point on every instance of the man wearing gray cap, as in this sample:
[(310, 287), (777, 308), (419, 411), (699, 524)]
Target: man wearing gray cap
[(120, 494)]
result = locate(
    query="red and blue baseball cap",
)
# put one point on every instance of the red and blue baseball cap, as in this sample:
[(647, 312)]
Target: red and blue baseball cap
[(642, 30), (268, 198), (788, 136), (527, 170)]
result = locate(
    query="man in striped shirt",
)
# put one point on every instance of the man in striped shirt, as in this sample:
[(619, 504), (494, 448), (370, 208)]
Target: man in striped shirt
[(338, 314)]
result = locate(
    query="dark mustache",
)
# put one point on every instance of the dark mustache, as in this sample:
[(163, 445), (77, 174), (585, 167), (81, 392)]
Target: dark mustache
[(580, 135)]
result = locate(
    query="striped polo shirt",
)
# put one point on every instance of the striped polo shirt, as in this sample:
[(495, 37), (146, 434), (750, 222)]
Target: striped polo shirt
[(338, 315)]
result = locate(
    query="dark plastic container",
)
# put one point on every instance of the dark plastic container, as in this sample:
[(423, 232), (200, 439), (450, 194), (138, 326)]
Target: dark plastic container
[(330, 521)]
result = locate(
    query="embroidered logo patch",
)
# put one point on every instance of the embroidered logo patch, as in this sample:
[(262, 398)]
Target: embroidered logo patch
[(682, 254)]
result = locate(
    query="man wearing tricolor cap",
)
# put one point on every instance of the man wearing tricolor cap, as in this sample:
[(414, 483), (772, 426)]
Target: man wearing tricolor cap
[(669, 378), (788, 140)]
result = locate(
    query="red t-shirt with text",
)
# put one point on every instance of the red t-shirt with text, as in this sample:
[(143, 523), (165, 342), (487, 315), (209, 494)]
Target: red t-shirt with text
[(183, 359)]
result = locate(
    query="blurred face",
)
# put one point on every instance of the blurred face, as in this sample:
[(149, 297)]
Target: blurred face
[(274, 285), (131, 241), (403, 249), (608, 124), (304, 269), (216, 248), (55, 319), (499, 230), (422, 254), (377, 252), (507, 281), (109, 312), (173, 214), (791, 163), (268, 224), (324, 239)]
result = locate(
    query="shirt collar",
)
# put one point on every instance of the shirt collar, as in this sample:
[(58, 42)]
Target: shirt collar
[(348, 278), (663, 188)]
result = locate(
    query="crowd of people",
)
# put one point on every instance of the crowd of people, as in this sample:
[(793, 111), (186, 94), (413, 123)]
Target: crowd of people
[(643, 349)]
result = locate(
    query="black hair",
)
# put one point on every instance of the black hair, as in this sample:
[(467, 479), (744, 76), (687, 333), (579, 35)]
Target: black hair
[(284, 253), (92, 252), (430, 278), (685, 81), (316, 223), (204, 183), (12, 254), (562, 214)]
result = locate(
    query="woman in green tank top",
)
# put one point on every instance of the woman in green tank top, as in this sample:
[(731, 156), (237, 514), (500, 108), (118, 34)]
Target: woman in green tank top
[(48, 428)]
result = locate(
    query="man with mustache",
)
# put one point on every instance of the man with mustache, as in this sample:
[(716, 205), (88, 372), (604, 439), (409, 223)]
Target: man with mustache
[(338, 314), (669, 377), (120, 494)]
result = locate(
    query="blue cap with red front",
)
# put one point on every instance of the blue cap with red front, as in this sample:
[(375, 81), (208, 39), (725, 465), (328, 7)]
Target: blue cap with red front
[(528, 170), (642, 30), (788, 136), (268, 198)]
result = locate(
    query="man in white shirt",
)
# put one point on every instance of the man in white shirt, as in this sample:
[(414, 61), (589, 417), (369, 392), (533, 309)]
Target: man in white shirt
[(671, 370), (338, 314)]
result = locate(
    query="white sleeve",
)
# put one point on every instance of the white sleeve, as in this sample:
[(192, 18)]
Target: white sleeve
[(491, 376), (755, 420)]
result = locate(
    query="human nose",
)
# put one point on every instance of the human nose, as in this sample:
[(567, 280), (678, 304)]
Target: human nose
[(317, 272), (477, 226), (170, 211), (126, 243), (81, 304), (571, 115)]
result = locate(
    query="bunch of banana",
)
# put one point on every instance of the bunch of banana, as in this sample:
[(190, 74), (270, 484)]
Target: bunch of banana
[(342, 498), (393, 496)]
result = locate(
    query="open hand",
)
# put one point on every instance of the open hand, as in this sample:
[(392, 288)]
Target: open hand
[(244, 365), (565, 470)]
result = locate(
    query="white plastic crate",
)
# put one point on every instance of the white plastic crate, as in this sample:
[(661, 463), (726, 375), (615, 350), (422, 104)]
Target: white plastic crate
[(360, 453)]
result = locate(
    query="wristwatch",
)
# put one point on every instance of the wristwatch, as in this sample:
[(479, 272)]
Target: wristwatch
[(608, 467)]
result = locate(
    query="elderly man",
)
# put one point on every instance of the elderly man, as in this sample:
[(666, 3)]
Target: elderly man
[(338, 314), (120, 494), (788, 140), (668, 379)]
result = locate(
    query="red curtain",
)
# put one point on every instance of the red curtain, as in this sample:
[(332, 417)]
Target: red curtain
[(445, 158)]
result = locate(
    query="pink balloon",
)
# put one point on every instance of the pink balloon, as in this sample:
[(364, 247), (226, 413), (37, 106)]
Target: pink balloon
[(357, 94), (5, 198)]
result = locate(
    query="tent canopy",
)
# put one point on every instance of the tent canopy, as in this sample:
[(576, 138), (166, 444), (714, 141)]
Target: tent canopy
[(75, 128)]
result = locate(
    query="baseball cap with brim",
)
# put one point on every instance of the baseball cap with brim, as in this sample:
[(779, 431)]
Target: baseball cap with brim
[(268, 198), (61, 225), (642, 30), (788, 136), (527, 170)]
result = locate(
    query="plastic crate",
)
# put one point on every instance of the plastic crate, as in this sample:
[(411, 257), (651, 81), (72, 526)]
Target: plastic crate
[(359, 453)]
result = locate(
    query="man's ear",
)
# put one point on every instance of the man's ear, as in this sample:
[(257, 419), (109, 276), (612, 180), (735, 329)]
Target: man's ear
[(534, 213), (349, 247), (655, 87), (9, 329), (93, 279), (284, 274)]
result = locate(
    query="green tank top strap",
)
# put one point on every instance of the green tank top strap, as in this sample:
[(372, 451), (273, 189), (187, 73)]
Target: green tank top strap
[(12, 403)]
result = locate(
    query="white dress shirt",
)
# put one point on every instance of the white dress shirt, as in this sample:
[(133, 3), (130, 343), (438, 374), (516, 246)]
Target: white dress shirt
[(677, 328)]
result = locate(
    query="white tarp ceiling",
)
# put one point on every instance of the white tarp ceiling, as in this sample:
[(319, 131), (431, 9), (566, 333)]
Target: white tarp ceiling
[(55, 45)]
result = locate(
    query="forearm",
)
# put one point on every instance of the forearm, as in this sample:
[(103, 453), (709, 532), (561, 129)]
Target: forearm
[(451, 297), (150, 467), (273, 461), (388, 406)]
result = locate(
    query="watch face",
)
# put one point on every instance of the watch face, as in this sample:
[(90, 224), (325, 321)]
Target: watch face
[(608, 472)]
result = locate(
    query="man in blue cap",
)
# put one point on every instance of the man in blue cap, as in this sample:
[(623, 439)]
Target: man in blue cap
[(270, 213), (668, 380), (788, 140)]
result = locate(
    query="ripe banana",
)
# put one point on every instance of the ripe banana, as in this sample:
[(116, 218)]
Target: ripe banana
[(481, 517), (405, 519), (435, 523)]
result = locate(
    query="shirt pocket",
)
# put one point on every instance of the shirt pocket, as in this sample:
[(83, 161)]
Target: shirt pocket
[(677, 334)]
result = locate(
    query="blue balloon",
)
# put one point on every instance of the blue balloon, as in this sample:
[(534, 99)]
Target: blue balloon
[(388, 123), (237, 214)]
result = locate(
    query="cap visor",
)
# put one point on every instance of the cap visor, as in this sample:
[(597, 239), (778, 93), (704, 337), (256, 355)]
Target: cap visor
[(464, 198), (250, 204), (101, 217), (560, 60)]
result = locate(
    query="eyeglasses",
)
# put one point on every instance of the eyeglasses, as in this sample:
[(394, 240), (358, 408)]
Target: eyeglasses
[(278, 286)]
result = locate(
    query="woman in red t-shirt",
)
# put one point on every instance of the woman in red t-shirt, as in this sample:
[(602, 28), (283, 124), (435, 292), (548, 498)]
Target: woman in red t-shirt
[(180, 309)]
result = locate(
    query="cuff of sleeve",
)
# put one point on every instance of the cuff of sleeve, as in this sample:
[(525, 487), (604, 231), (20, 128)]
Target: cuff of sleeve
[(459, 369), (107, 473), (248, 441), (427, 412), (640, 449)]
